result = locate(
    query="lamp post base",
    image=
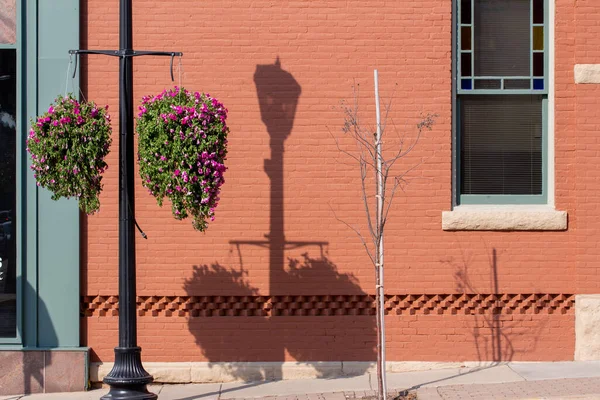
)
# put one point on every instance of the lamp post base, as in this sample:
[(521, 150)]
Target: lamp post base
[(128, 378), (129, 393)]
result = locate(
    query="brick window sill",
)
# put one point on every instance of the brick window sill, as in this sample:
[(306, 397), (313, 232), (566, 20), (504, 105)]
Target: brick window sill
[(504, 218)]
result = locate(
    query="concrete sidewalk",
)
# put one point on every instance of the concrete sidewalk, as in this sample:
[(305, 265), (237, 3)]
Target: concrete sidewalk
[(560, 380)]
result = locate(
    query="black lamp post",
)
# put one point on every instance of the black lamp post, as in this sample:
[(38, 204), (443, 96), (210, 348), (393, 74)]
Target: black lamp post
[(127, 379)]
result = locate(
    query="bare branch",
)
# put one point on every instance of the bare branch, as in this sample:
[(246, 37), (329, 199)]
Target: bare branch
[(337, 144), (363, 177), (387, 107), (426, 123), (352, 126), (397, 183), (360, 236)]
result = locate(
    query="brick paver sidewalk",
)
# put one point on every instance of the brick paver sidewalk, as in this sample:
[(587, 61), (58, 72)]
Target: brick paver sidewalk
[(352, 395), (552, 389), (581, 388)]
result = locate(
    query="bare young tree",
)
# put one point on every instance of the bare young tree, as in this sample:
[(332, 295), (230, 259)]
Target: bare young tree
[(372, 162)]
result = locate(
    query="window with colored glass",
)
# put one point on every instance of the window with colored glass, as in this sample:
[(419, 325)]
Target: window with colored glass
[(502, 87)]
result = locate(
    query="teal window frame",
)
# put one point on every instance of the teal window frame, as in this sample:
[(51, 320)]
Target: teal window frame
[(47, 231), (471, 199), (19, 122)]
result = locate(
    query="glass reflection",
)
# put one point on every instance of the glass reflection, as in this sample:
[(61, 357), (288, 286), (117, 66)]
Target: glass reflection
[(8, 96)]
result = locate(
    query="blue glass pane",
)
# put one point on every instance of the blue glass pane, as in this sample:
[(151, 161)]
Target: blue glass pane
[(538, 84), (466, 84)]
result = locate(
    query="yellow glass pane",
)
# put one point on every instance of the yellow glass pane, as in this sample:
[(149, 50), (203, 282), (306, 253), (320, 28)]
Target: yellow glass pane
[(538, 38), (465, 38)]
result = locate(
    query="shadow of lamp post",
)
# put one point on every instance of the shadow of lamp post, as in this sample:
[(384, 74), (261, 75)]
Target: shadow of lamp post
[(278, 94)]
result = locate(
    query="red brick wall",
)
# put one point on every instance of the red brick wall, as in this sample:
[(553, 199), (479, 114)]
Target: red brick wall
[(326, 47)]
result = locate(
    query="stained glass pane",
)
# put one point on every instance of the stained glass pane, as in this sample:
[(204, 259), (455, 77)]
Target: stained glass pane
[(8, 135), (465, 11), (466, 84), (538, 64), (8, 21), (538, 11), (465, 38), (538, 38), (465, 64), (502, 38), (538, 84)]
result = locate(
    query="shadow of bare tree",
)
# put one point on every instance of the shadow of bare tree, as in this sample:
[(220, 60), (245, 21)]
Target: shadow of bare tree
[(494, 328)]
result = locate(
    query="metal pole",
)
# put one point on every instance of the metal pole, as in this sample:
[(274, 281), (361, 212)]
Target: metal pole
[(127, 379)]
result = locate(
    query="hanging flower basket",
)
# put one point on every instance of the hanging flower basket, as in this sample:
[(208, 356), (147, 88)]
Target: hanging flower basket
[(181, 149), (67, 145)]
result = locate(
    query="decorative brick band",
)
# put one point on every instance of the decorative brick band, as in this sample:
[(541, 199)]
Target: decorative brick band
[(334, 305)]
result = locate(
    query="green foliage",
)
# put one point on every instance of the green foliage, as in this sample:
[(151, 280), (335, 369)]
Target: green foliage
[(68, 144), (181, 149)]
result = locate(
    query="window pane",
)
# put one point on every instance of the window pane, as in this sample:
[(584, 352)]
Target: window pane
[(517, 84), (538, 11), (501, 144), (465, 11), (538, 64), (538, 38), (465, 38), (8, 102), (502, 37), (465, 64), (8, 19), (487, 84)]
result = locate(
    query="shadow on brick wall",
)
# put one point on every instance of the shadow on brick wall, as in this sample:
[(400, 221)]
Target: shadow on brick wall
[(494, 328), (311, 313), (240, 325)]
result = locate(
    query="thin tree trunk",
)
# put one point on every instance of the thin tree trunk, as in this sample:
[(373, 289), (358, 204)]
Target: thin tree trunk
[(370, 155), (381, 381), (380, 370)]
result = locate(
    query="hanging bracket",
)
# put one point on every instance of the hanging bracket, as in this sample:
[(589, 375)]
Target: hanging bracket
[(127, 53)]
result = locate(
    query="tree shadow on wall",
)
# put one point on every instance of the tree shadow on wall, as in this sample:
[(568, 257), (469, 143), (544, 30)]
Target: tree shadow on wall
[(233, 324), (494, 327)]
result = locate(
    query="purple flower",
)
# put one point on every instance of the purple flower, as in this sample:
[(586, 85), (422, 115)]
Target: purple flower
[(50, 110)]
